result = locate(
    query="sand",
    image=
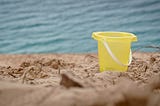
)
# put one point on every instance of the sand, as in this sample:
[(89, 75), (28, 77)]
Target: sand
[(75, 80)]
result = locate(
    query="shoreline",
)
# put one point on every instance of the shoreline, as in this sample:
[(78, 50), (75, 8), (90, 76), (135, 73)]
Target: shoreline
[(13, 59)]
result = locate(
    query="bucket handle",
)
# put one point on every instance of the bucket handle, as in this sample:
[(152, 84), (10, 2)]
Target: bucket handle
[(114, 57)]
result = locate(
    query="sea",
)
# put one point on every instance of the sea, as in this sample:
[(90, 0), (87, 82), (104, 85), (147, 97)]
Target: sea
[(66, 26)]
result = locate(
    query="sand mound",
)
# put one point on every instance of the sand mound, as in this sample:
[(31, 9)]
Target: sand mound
[(75, 80)]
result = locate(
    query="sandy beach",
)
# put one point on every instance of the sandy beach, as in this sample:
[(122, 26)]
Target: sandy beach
[(75, 80)]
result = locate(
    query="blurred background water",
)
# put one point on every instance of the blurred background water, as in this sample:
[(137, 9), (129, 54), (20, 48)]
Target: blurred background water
[(65, 26)]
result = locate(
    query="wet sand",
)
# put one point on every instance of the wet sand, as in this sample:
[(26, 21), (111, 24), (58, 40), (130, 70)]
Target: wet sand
[(75, 80)]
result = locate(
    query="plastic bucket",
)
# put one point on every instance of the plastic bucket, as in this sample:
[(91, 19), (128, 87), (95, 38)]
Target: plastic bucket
[(114, 50)]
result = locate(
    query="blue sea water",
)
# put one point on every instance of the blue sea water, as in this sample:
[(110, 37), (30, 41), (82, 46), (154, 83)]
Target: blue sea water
[(65, 26)]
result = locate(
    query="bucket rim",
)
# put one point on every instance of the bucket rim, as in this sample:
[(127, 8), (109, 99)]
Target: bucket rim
[(99, 36)]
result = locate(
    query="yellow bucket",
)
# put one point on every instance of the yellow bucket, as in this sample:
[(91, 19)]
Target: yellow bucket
[(114, 50)]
